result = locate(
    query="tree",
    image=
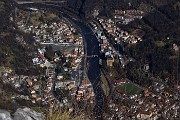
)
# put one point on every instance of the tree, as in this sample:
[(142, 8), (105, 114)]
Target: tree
[(59, 53), (49, 54), (68, 64)]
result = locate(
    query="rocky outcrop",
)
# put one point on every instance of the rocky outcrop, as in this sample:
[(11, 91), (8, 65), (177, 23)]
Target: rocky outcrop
[(27, 114), (5, 115), (21, 114)]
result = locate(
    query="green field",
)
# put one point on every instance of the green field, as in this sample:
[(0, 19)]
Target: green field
[(104, 84), (129, 89)]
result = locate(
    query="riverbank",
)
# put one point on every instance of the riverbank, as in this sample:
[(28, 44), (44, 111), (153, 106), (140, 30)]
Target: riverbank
[(105, 86)]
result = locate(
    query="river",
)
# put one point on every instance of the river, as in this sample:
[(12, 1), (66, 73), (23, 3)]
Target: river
[(93, 69)]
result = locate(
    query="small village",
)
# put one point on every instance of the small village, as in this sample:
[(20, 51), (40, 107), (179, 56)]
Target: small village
[(67, 48), (156, 101), (118, 34), (148, 102), (113, 35), (126, 16)]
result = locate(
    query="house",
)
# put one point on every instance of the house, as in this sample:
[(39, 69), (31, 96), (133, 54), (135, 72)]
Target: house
[(146, 91), (65, 69), (103, 37), (175, 47), (8, 70), (73, 91), (36, 87), (110, 61), (35, 61), (29, 82), (146, 67), (34, 95), (120, 81), (104, 41), (98, 33), (38, 99), (74, 66), (17, 85), (41, 51), (84, 82), (72, 85), (42, 65), (33, 92), (59, 85), (42, 56), (145, 115), (79, 95), (92, 94), (59, 77)]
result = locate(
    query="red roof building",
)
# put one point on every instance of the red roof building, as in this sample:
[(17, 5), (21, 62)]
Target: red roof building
[(120, 81)]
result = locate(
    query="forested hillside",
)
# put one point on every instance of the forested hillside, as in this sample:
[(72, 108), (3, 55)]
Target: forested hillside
[(160, 28), (16, 47)]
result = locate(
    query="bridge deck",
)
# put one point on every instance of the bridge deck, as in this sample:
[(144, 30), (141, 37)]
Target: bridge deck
[(39, 1)]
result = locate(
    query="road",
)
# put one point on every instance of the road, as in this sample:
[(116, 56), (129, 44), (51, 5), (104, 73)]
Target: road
[(38, 1)]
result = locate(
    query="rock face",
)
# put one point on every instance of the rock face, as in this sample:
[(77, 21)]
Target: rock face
[(21, 114), (84, 8), (27, 114), (5, 115)]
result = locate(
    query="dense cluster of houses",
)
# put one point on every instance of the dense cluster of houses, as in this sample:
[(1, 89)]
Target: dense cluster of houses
[(42, 90), (60, 31), (104, 44), (119, 35), (158, 101), (106, 30), (84, 92), (126, 16), (75, 57)]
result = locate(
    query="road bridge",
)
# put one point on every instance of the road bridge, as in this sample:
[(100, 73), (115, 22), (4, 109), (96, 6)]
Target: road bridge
[(62, 44), (39, 1), (92, 56)]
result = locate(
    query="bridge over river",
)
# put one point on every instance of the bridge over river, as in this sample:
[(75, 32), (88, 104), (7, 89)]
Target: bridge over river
[(39, 1)]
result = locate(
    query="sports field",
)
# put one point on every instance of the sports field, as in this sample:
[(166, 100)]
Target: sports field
[(128, 88)]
